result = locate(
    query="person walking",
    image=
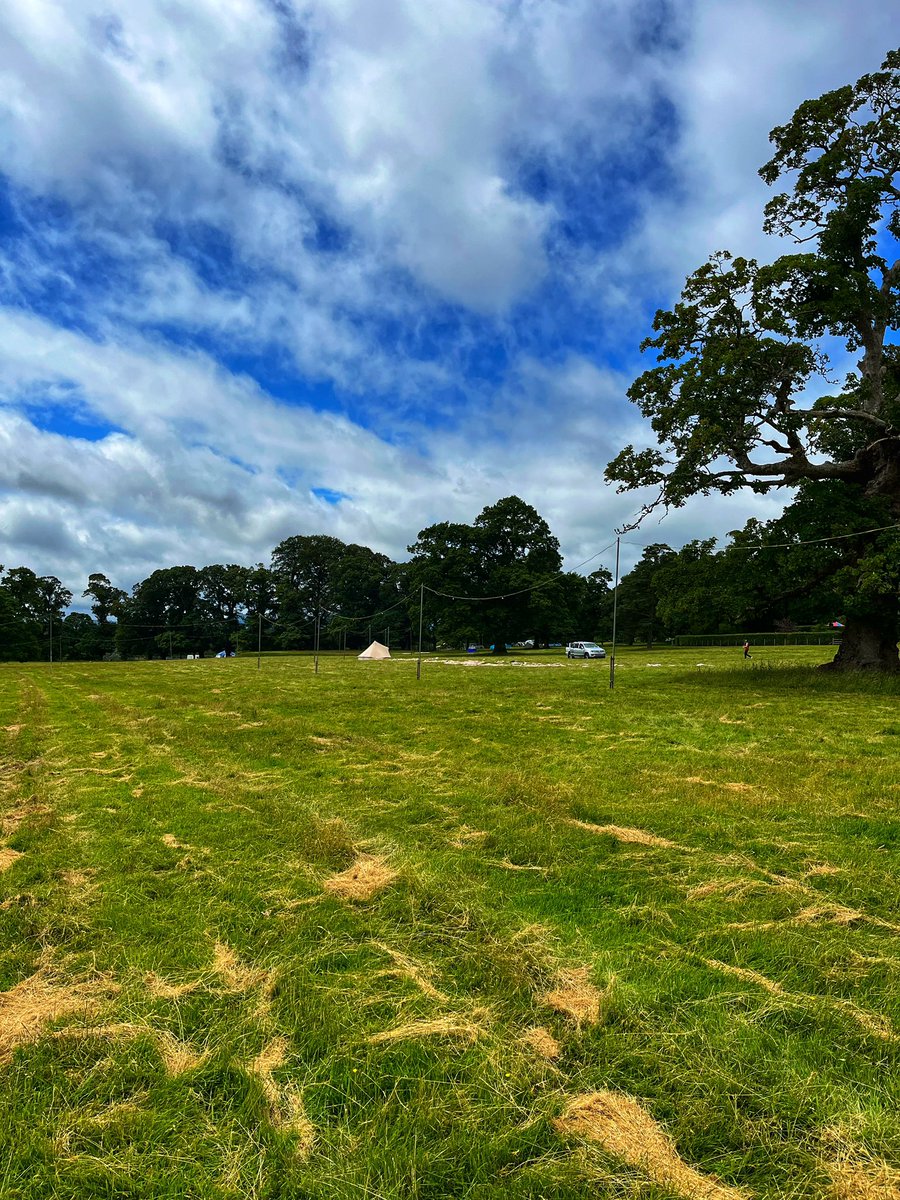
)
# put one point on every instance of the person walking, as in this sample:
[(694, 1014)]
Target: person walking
[(747, 653)]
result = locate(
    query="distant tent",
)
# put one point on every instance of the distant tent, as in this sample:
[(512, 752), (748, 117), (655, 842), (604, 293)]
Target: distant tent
[(376, 650)]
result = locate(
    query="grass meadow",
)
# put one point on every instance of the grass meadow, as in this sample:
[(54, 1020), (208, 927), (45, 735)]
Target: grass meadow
[(501, 933)]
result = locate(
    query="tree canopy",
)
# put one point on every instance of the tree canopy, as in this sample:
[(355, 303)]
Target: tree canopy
[(743, 396)]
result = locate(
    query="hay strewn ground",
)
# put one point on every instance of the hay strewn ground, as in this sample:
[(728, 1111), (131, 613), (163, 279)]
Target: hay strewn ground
[(627, 1131), (496, 933)]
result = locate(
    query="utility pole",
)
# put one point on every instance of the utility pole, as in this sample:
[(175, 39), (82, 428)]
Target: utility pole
[(317, 644), (421, 606), (612, 660), (259, 641), (51, 639), (170, 644)]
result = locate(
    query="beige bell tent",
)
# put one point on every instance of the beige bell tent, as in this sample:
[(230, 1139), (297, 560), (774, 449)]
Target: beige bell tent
[(376, 650)]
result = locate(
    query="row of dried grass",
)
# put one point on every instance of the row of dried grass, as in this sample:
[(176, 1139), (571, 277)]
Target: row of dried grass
[(44, 997), (284, 1101), (627, 1131)]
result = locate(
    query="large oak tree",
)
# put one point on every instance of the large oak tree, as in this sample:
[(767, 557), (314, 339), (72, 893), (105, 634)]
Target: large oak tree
[(747, 345)]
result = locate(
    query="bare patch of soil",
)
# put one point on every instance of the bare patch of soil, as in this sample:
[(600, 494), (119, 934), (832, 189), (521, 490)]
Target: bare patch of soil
[(626, 1130), (364, 879)]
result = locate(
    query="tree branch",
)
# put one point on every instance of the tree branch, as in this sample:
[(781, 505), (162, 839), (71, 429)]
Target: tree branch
[(850, 414)]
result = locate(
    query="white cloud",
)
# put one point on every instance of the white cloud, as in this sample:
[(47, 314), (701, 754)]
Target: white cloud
[(358, 165), (744, 70)]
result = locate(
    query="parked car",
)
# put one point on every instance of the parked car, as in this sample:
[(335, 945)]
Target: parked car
[(584, 650)]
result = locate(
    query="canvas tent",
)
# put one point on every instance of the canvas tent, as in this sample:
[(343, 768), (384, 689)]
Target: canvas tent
[(376, 650)]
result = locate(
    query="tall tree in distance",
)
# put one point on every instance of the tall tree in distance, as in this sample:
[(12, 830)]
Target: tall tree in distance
[(745, 346), (304, 568), (506, 552), (108, 602), (518, 554)]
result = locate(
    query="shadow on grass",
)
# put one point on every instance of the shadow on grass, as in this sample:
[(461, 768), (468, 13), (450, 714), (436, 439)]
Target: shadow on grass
[(788, 678)]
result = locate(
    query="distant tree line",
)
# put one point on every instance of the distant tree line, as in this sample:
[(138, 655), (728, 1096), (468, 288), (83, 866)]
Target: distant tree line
[(321, 591)]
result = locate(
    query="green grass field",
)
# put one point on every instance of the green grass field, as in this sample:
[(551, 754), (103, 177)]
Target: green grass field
[(499, 933)]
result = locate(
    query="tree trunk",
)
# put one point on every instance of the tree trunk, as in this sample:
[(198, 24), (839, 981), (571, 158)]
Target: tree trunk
[(868, 644), (500, 643)]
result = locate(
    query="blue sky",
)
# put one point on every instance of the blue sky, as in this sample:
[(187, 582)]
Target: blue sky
[(355, 266)]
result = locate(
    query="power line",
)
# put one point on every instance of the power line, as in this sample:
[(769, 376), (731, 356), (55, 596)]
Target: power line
[(521, 591), (837, 537)]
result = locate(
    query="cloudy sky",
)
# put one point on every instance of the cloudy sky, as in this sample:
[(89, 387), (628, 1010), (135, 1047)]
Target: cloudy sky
[(353, 266)]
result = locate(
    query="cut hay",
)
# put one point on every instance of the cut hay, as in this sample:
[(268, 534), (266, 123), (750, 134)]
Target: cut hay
[(575, 996), (366, 878), (817, 914), (465, 835), (505, 865), (20, 813), (284, 1101), (406, 968), (863, 1181), (638, 837), (8, 856), (741, 886), (542, 1042), (164, 990), (170, 840), (731, 889), (236, 975), (26, 1008), (869, 1022), (627, 1131), (177, 1056), (831, 914), (731, 787), (458, 1028), (746, 975), (79, 881)]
